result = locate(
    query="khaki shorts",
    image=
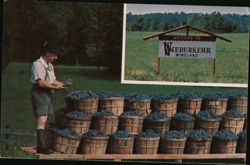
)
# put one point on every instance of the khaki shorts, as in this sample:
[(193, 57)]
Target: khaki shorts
[(41, 101)]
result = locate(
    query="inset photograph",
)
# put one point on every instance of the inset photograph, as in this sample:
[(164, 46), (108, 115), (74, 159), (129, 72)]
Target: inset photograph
[(185, 45)]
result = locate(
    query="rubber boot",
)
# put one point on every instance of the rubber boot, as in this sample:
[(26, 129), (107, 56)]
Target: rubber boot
[(41, 145)]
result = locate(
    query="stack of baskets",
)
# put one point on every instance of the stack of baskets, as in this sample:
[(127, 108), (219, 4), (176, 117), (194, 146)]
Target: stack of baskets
[(149, 124)]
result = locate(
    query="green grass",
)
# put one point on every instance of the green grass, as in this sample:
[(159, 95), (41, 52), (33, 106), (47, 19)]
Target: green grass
[(231, 61), (16, 109)]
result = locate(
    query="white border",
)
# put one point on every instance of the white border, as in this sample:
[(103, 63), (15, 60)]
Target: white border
[(123, 81)]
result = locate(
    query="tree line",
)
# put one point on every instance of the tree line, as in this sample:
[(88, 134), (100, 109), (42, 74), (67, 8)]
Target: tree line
[(86, 33), (214, 22)]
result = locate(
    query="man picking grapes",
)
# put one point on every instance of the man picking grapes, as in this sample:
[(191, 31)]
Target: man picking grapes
[(44, 83)]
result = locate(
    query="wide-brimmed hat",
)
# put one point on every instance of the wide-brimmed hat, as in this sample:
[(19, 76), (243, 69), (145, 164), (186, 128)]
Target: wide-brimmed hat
[(50, 46)]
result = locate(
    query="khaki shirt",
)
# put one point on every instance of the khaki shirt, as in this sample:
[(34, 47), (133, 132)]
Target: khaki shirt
[(39, 69)]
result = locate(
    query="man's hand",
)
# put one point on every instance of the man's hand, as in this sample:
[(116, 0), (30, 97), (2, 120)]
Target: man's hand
[(58, 86), (44, 84)]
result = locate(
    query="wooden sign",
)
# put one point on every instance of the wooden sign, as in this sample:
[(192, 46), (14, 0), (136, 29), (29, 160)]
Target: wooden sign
[(174, 46)]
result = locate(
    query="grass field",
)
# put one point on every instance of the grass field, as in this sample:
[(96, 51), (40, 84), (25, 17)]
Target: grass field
[(231, 61), (16, 107)]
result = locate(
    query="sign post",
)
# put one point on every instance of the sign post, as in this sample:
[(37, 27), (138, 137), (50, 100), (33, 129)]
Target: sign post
[(213, 66), (158, 65)]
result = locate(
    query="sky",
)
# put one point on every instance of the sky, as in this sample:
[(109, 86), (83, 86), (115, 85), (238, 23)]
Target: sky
[(150, 8)]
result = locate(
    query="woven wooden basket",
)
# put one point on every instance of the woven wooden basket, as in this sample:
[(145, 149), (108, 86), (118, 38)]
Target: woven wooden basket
[(94, 145), (239, 103), (159, 126), (88, 106), (66, 144), (132, 124), (189, 106), (209, 125), (121, 145), (141, 106), (77, 125), (105, 124), (143, 145), (113, 104), (60, 120), (172, 146), (168, 107), (234, 125), (218, 106), (194, 146), (223, 146), (186, 127)]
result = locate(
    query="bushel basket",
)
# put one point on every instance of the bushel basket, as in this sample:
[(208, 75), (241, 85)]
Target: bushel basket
[(113, 104), (66, 144), (131, 124), (168, 107)]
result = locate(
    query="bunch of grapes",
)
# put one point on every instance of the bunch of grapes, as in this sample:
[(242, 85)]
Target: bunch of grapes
[(207, 114), (81, 95), (157, 116), (131, 113), (77, 115), (233, 113), (67, 83), (183, 116), (94, 133), (162, 96), (225, 135), (140, 97), (128, 95), (199, 135), (174, 134), (149, 133), (68, 133), (104, 113), (183, 95), (121, 134), (217, 95), (108, 94)]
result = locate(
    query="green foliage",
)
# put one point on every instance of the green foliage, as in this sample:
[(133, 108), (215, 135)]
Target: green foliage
[(87, 33), (214, 22)]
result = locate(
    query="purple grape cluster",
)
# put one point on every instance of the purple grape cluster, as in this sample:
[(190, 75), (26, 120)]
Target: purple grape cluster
[(104, 113), (217, 95), (94, 133), (77, 115), (140, 97), (183, 95), (149, 133), (131, 113), (207, 114), (108, 94), (81, 95), (121, 134), (233, 113), (199, 135), (174, 134), (68, 82), (225, 135), (162, 96), (183, 116), (156, 116), (68, 133)]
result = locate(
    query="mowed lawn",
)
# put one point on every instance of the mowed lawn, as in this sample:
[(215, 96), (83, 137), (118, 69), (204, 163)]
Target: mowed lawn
[(231, 61), (16, 109)]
